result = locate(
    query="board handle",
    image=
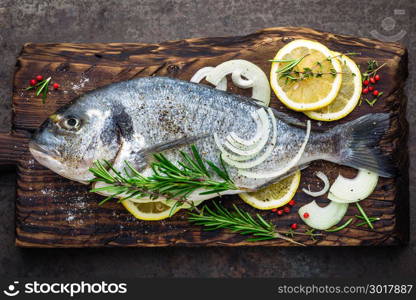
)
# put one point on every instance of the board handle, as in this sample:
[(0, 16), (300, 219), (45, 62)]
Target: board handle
[(13, 147)]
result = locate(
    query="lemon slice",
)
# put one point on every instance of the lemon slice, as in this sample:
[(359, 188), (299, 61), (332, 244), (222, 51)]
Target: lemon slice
[(149, 211), (154, 210), (275, 195), (312, 92), (348, 95)]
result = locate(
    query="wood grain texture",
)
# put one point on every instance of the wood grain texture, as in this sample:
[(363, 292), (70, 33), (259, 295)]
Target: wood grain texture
[(54, 212)]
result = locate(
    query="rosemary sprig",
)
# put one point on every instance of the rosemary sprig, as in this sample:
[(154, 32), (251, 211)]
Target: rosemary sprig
[(371, 219), (364, 215), (242, 222), (41, 87), (374, 100), (372, 69), (339, 228), (291, 75), (168, 180), (292, 63), (312, 234)]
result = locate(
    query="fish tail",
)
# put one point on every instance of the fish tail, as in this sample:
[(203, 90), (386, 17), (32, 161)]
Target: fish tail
[(359, 144)]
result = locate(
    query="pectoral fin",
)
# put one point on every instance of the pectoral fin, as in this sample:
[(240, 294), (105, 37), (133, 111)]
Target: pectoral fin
[(171, 144)]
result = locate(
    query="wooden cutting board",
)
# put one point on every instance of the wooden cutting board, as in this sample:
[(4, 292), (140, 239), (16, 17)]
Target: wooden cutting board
[(54, 212)]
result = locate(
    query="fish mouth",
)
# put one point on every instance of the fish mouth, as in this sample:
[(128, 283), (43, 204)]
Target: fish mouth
[(50, 158), (46, 157), (35, 147)]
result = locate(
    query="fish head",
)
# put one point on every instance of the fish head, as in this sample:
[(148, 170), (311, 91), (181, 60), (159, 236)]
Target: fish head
[(71, 139)]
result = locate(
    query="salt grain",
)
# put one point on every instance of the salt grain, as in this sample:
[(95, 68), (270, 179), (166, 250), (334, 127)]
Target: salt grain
[(81, 84), (70, 217)]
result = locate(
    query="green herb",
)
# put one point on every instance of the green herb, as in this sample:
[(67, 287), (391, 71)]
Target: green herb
[(290, 74), (242, 222), (371, 219), (340, 227), (290, 232), (362, 223), (169, 181), (41, 87), (372, 69), (372, 101), (333, 72), (289, 68), (178, 204), (364, 215), (311, 233)]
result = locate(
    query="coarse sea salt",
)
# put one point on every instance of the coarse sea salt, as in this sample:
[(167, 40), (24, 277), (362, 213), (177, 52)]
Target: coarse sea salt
[(81, 84)]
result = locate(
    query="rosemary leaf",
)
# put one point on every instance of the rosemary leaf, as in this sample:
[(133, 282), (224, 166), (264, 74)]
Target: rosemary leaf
[(239, 221), (348, 222), (174, 207), (222, 173), (45, 94), (168, 180), (364, 215), (372, 219), (199, 160)]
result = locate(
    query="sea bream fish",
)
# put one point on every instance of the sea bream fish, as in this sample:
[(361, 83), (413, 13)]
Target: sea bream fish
[(131, 120)]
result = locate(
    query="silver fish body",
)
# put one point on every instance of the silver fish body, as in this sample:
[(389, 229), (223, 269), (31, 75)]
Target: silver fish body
[(131, 120)]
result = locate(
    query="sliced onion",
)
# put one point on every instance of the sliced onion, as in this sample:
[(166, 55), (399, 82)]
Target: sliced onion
[(248, 144), (323, 218), (264, 136), (346, 190), (224, 152), (325, 189), (261, 87), (250, 153), (239, 81), (262, 125), (203, 72), (288, 167), (236, 157), (267, 152)]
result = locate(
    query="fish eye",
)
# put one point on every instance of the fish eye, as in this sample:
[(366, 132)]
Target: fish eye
[(70, 123)]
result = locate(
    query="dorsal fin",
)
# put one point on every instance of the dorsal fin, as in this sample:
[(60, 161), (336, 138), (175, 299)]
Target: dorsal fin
[(288, 119)]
